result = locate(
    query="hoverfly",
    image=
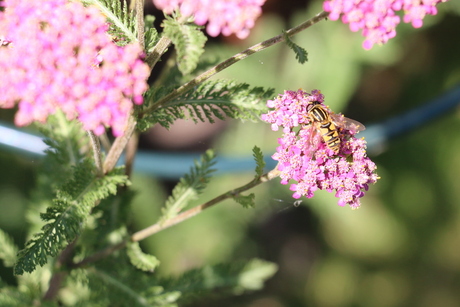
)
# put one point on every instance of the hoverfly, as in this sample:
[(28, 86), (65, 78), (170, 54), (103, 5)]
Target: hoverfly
[(328, 124)]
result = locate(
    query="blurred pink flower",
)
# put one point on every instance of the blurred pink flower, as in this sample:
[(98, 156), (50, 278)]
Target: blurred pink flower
[(377, 18), (57, 55), (221, 16)]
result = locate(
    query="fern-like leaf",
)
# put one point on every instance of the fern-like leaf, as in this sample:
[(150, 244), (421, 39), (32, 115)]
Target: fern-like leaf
[(121, 20), (301, 54), (141, 260), (189, 41), (8, 249), (259, 158), (70, 209), (150, 34), (247, 201), (190, 186), (212, 99), (236, 277)]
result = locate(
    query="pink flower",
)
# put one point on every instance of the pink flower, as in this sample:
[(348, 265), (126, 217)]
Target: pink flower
[(221, 16), (59, 56), (306, 158), (376, 18)]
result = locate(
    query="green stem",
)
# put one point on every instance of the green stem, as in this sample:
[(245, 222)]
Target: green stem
[(144, 233), (96, 152), (236, 58), (140, 22)]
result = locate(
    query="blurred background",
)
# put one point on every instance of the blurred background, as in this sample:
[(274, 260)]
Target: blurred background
[(401, 248)]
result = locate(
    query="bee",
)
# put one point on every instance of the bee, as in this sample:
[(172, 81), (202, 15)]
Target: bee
[(328, 125)]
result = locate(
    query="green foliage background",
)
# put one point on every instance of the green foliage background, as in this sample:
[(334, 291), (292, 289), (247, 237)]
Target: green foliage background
[(399, 249)]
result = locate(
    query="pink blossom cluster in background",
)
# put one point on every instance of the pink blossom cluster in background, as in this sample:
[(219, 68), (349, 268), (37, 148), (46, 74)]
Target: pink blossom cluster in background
[(222, 16), (304, 157), (58, 55), (377, 18)]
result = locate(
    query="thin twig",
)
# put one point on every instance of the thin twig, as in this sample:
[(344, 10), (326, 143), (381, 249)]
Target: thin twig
[(140, 22), (144, 233), (158, 51), (96, 152), (130, 153), (236, 58), (119, 145)]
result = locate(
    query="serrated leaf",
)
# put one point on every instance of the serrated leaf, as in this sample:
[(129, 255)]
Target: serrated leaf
[(121, 20), (189, 41), (190, 186), (237, 277), (247, 201), (211, 99), (301, 54), (64, 220), (8, 249), (141, 260), (259, 158)]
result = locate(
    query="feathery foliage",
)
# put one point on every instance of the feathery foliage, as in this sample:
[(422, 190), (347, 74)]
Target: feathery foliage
[(121, 20), (70, 209), (211, 99), (189, 41), (301, 54), (259, 158), (234, 278), (141, 260), (8, 249), (190, 186), (150, 34)]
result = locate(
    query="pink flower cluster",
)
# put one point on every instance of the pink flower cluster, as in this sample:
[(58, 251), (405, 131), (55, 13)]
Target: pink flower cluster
[(56, 54), (377, 18), (304, 156), (222, 16)]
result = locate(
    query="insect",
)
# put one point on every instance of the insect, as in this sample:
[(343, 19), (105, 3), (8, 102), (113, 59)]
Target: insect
[(328, 124)]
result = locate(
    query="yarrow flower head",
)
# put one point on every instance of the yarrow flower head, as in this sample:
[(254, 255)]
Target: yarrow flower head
[(377, 18), (56, 54), (222, 16), (318, 149)]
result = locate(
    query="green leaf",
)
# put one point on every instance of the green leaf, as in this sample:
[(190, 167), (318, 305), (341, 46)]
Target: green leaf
[(237, 277), (64, 220), (301, 54), (8, 249), (254, 274), (151, 34), (141, 260), (121, 21), (190, 186), (211, 99), (259, 157), (189, 41), (245, 201)]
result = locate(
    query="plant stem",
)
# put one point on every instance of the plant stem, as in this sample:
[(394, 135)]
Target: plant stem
[(142, 234), (140, 22), (118, 146), (158, 51), (96, 152), (237, 57)]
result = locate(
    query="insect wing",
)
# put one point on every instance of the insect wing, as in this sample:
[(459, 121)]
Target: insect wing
[(313, 136), (347, 123)]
